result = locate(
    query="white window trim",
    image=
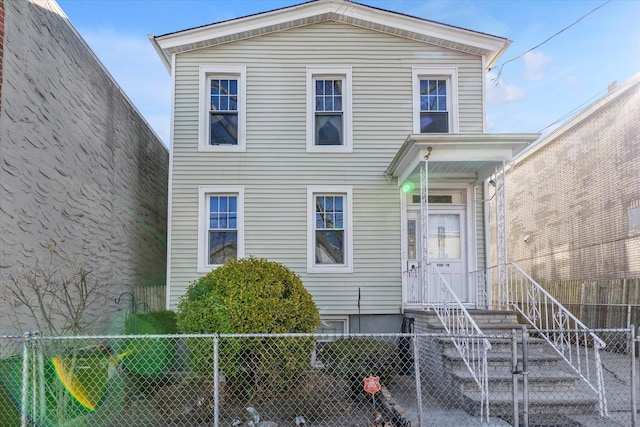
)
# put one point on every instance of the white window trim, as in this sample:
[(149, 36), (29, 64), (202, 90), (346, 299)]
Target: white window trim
[(203, 192), (312, 267), (239, 72), (347, 104), (333, 318), (449, 74)]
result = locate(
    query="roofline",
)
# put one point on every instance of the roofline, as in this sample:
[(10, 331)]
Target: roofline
[(337, 10), (585, 114), (517, 141)]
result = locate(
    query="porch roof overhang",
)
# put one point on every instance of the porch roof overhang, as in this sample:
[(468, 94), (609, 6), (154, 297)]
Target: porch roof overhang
[(468, 157)]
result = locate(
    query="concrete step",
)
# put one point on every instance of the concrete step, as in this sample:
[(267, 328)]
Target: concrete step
[(501, 403), (501, 360), (555, 381), (504, 344)]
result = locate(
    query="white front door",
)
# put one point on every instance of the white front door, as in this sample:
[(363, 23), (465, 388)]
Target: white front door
[(447, 252), (446, 245)]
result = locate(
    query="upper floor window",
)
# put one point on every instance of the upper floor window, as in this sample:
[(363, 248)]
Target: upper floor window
[(220, 234), (329, 109), (434, 111), (223, 110), (330, 240), (435, 100)]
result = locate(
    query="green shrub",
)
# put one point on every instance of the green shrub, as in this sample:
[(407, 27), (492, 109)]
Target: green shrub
[(148, 356), (354, 359), (156, 322), (250, 296)]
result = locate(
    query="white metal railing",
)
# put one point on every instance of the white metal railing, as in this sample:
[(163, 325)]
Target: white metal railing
[(465, 334), (570, 338), (413, 292)]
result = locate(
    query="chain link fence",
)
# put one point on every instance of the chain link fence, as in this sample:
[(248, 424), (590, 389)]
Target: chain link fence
[(311, 380)]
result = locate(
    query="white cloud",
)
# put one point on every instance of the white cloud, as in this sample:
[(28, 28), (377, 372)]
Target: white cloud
[(535, 65), (137, 68), (499, 92)]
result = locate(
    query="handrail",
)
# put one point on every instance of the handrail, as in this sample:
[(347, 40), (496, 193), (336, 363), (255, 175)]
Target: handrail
[(465, 333), (568, 336)]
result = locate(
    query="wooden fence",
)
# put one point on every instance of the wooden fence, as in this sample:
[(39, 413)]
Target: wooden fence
[(613, 303)]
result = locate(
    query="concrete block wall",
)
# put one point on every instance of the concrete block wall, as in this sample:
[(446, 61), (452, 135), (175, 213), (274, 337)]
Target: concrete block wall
[(80, 169), (575, 197)]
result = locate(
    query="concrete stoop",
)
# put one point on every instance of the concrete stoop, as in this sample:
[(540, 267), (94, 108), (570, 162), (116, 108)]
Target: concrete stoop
[(554, 389)]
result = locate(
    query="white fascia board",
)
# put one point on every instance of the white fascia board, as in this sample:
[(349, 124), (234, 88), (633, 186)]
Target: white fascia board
[(247, 23), (428, 28), (481, 154), (487, 42), (407, 169)]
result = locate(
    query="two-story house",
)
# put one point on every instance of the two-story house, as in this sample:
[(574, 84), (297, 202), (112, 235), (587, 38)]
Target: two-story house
[(300, 135)]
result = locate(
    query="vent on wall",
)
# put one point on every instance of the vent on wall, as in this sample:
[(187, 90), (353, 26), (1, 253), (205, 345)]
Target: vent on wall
[(436, 198)]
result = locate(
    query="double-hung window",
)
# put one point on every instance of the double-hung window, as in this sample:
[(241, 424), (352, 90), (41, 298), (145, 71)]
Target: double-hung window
[(329, 109), (435, 100), (223, 108), (330, 238), (220, 236)]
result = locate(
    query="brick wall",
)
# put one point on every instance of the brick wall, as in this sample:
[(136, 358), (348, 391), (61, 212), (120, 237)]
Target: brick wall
[(79, 167), (575, 197)]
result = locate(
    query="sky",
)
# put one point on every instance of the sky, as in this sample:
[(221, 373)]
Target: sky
[(534, 92)]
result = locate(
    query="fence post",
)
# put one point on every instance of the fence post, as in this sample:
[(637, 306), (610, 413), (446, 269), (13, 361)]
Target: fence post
[(216, 383), (416, 368), (525, 376), (514, 377), (25, 380), (632, 345)]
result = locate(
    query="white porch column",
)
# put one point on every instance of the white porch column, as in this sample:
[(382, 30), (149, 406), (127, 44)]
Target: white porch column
[(427, 293), (501, 237)]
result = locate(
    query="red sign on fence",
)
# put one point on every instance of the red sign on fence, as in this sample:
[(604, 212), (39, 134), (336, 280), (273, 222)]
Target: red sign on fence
[(372, 384)]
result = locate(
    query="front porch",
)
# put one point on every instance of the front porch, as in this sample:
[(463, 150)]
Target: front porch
[(449, 183)]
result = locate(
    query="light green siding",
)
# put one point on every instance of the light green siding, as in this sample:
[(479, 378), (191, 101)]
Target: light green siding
[(276, 169)]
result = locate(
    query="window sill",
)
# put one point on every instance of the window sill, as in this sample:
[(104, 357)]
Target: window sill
[(329, 149), (332, 269), (221, 148)]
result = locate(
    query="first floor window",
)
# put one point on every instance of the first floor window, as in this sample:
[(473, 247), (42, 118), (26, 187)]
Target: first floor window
[(330, 244), (223, 229), (221, 226), (330, 240)]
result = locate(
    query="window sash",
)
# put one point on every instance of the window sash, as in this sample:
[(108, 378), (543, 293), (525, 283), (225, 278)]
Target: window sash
[(328, 111), (223, 111), (222, 228), (434, 106), (329, 236)]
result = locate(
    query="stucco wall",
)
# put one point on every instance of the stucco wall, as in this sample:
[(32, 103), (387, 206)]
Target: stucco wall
[(575, 199), (79, 167)]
